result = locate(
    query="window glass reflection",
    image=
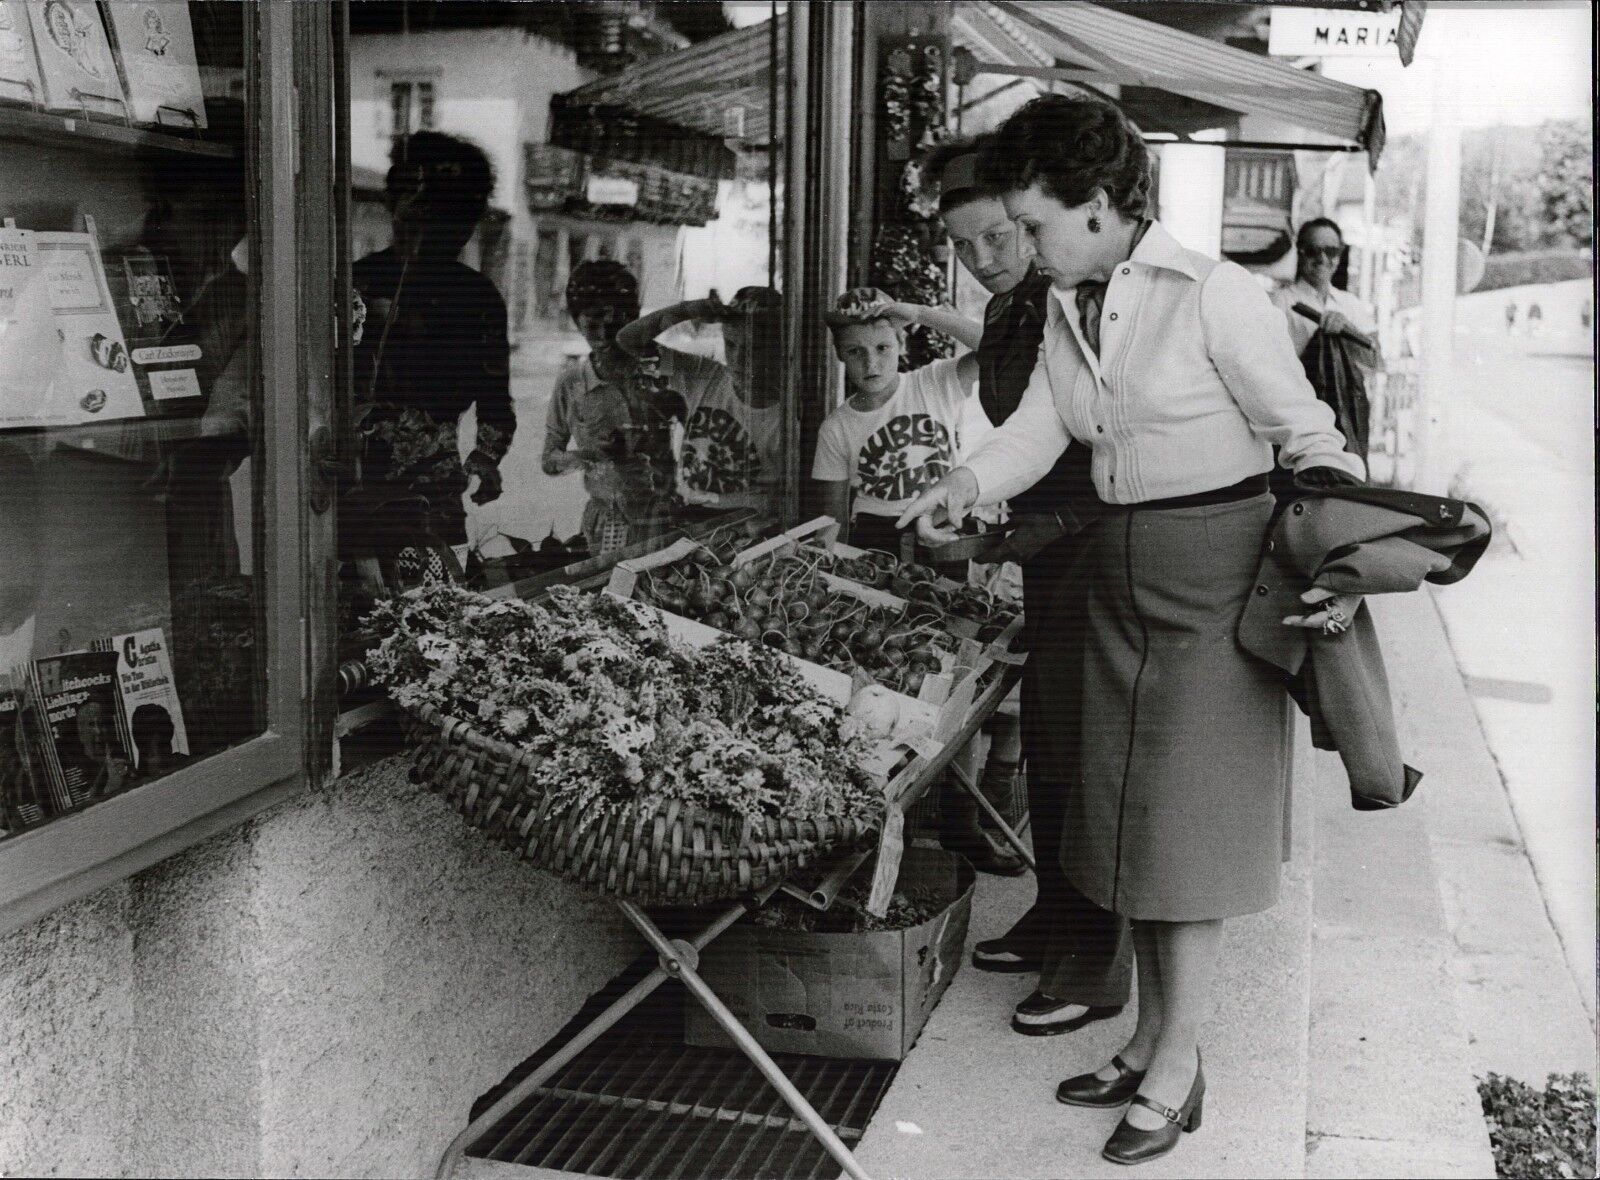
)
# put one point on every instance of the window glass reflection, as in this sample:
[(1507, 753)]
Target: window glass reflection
[(582, 353)]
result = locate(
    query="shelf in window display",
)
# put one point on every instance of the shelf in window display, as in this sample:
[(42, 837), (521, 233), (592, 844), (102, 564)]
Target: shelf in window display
[(105, 135), (140, 440)]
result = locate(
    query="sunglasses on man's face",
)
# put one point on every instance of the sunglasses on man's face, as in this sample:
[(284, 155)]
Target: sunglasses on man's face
[(1331, 253)]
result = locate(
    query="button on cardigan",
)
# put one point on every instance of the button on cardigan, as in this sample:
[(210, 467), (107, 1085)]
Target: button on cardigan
[(1195, 382)]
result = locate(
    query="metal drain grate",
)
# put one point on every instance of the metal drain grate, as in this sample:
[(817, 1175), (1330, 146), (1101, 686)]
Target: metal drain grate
[(638, 1104)]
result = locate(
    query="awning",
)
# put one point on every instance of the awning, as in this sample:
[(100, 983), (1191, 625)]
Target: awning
[(722, 87), (1095, 46)]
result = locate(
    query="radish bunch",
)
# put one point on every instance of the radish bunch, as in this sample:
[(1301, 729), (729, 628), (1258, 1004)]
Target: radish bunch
[(785, 603), (920, 585)]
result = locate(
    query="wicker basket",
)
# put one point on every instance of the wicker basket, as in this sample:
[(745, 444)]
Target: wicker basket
[(680, 856)]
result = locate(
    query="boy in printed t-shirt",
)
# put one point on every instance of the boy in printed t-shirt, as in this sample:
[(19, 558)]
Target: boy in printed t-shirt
[(896, 433), (730, 452)]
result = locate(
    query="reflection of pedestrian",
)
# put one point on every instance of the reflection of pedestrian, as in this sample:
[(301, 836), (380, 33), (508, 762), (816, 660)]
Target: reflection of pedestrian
[(1535, 319), (104, 763), (1511, 316), (153, 732), (435, 342), (1586, 313), (611, 410)]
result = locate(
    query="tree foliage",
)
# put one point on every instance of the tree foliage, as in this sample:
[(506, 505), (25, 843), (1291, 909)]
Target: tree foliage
[(1538, 184)]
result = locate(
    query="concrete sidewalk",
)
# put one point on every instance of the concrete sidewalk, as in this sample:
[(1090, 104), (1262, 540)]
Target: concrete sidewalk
[(1411, 951)]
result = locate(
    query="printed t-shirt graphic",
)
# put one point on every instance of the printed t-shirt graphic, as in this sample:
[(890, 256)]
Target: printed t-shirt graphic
[(728, 446), (890, 454)]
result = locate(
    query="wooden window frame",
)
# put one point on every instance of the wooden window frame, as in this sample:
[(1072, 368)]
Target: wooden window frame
[(289, 64)]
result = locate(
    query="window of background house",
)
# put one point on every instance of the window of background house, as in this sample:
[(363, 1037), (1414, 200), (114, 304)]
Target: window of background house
[(134, 634), (501, 431)]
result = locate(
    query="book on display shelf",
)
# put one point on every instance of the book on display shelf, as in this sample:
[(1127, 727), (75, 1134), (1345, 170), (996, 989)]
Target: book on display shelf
[(151, 715), (31, 357), (26, 788), (163, 346), (19, 69), (94, 375), (76, 70), (87, 744), (155, 53)]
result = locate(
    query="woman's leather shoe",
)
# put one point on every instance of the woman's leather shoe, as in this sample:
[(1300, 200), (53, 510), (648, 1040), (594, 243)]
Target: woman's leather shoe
[(1088, 1090), (1131, 1145)]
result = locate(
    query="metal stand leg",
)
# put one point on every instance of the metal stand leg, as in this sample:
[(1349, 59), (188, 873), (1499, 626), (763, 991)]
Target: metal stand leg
[(585, 1037), (680, 959), (970, 786)]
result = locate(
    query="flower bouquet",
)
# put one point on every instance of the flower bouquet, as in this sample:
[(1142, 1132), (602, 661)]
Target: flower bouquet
[(576, 733)]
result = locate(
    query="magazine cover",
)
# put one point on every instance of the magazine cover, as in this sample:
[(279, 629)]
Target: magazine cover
[(31, 357), (88, 753), (19, 72), (151, 714), (163, 348), (154, 45), (74, 56), (25, 786), (95, 375)]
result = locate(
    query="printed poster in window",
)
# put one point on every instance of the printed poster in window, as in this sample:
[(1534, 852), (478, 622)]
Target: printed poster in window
[(163, 346), (88, 750), (95, 374), (75, 63), (19, 72), (155, 50), (30, 346), (151, 714)]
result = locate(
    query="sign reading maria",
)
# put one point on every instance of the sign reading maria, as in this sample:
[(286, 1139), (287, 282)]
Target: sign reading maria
[(1327, 32)]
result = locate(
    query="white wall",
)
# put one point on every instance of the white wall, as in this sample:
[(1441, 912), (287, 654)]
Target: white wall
[(320, 992)]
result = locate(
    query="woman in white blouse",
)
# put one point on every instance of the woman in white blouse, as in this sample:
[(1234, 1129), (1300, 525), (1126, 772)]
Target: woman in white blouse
[(1176, 370)]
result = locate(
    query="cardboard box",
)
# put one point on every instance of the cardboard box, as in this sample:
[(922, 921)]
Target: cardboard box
[(841, 995)]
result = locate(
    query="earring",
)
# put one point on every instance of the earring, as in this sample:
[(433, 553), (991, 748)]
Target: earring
[(1094, 224)]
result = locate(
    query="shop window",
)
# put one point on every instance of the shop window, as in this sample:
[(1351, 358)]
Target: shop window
[(492, 462), (149, 568)]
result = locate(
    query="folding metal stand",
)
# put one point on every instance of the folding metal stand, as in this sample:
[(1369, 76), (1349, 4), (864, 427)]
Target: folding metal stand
[(679, 958)]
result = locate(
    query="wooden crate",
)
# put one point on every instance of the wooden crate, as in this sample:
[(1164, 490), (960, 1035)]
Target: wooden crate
[(927, 720)]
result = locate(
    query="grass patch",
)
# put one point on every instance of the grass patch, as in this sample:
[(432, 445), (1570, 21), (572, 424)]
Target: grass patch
[(1539, 1133)]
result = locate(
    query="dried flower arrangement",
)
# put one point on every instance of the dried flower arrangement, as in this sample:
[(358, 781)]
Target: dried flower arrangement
[(620, 714)]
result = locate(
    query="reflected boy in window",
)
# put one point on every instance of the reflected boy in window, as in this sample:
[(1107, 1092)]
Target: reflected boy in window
[(613, 415), (731, 441)]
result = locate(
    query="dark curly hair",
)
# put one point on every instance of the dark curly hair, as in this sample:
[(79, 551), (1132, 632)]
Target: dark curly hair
[(1070, 147), (939, 158), (452, 176)]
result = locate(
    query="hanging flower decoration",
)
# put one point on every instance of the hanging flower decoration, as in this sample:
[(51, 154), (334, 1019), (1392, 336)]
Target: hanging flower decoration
[(905, 260)]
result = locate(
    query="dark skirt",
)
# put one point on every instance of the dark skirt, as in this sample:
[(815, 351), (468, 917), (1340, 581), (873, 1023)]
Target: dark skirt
[(1177, 813)]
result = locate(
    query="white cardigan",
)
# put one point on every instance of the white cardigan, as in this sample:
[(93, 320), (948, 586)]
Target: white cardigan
[(1195, 383)]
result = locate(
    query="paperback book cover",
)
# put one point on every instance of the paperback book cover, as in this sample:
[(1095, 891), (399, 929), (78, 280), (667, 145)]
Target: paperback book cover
[(74, 55), (154, 45), (95, 375), (151, 714), (88, 753), (25, 781), (19, 70), (31, 356), (163, 348)]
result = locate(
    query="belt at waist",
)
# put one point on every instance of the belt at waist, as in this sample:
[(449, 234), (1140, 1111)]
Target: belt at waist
[(1245, 489)]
